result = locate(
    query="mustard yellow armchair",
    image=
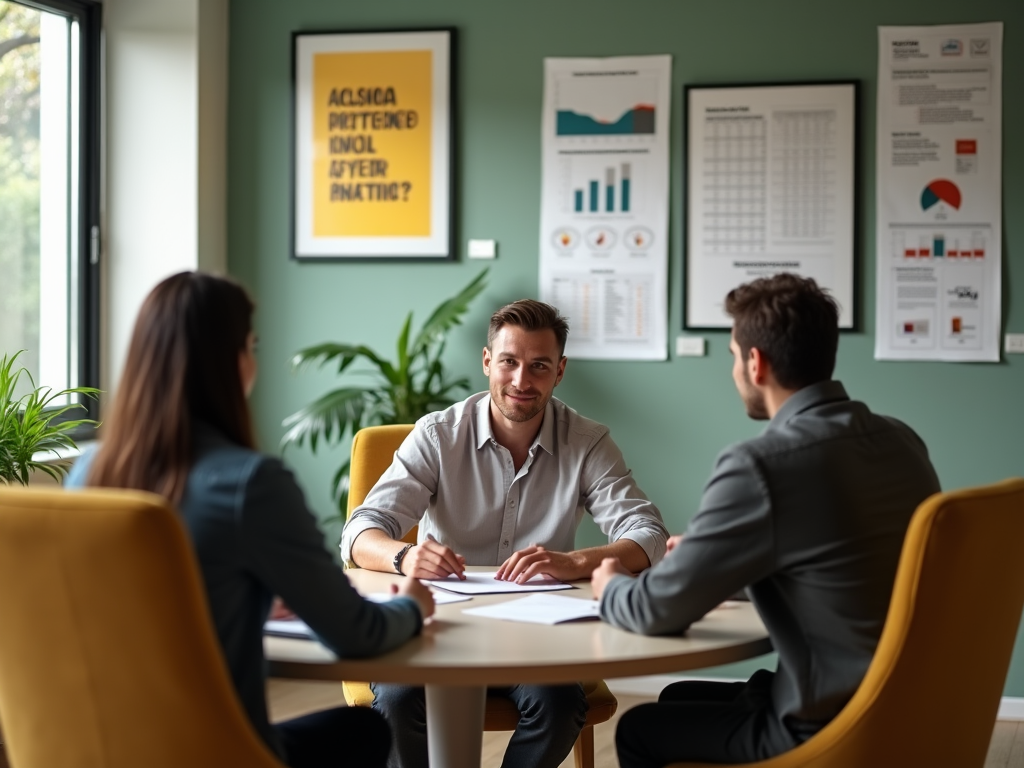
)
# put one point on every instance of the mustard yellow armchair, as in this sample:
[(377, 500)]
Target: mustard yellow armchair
[(107, 655), (373, 449), (956, 603)]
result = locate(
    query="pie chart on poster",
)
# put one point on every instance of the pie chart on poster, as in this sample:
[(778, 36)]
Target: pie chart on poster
[(940, 190)]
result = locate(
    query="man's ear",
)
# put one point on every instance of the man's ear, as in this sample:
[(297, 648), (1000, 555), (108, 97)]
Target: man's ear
[(561, 370), (487, 362), (758, 366)]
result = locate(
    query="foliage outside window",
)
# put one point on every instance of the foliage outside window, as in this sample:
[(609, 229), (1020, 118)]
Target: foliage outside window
[(47, 191)]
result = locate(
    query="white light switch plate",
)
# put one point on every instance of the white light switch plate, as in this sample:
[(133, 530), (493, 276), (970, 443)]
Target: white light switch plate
[(482, 249), (690, 346), (1014, 344)]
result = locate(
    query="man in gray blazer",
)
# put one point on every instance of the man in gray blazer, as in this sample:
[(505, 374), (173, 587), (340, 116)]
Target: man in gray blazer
[(809, 517)]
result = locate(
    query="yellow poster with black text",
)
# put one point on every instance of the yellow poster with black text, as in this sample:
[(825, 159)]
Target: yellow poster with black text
[(372, 144)]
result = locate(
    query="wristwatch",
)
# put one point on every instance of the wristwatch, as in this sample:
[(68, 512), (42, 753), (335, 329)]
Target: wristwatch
[(397, 562)]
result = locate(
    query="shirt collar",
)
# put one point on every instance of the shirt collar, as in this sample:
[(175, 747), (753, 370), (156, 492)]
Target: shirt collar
[(809, 397), (484, 433), (545, 437)]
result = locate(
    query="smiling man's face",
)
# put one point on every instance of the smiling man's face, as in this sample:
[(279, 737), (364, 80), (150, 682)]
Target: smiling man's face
[(523, 368)]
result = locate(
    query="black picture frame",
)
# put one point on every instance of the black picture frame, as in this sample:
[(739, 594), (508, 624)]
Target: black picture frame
[(789, 225)]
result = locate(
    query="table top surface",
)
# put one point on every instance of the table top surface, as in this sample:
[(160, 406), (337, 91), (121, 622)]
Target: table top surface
[(459, 649)]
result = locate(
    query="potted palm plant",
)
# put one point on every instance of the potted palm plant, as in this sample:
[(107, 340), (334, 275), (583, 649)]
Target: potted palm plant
[(33, 424), (399, 391)]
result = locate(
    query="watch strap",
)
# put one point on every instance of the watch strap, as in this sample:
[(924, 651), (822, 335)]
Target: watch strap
[(397, 562)]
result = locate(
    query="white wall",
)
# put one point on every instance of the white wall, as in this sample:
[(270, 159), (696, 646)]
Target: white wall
[(165, 160)]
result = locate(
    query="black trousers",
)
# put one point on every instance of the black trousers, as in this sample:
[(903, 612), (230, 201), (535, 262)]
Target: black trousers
[(345, 736), (698, 721)]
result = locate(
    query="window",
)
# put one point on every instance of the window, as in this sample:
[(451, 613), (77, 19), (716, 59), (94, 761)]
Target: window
[(49, 189)]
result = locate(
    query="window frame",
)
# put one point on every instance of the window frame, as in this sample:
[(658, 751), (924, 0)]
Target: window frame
[(88, 13)]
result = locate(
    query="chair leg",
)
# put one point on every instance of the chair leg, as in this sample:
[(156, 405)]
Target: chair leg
[(583, 749)]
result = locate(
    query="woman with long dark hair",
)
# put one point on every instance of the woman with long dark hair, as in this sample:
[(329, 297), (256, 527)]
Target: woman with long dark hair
[(180, 426)]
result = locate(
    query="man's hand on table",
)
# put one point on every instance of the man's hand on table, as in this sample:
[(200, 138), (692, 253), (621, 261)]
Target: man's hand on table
[(433, 560), (609, 568), (415, 589), (535, 560)]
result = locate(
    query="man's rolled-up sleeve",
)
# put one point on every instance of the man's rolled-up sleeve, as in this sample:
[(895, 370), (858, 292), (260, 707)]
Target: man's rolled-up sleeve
[(400, 498), (618, 506)]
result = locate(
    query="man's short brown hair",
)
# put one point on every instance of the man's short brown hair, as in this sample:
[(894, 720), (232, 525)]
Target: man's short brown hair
[(530, 315), (792, 321)]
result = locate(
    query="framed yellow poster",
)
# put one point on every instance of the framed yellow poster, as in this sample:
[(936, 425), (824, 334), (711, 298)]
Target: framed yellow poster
[(372, 148)]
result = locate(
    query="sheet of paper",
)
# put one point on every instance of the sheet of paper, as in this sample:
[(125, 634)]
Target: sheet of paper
[(440, 598), (604, 203), (298, 628), (939, 193), (539, 609), (484, 583), (288, 628)]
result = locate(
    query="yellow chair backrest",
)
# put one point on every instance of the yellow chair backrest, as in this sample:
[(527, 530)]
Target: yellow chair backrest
[(956, 602), (107, 655), (373, 450)]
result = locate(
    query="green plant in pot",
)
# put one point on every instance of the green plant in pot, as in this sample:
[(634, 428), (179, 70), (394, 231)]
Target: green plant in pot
[(33, 424), (399, 391)]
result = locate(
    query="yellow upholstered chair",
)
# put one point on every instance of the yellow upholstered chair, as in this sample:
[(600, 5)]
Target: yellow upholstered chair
[(373, 449), (956, 602), (107, 655)]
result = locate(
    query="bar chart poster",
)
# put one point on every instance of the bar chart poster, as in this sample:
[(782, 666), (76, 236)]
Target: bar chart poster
[(604, 204), (938, 194)]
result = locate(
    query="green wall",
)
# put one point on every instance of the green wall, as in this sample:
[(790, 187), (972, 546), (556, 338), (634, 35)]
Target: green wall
[(670, 418)]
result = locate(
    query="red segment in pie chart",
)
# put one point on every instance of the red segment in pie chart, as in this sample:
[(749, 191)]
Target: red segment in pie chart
[(940, 190)]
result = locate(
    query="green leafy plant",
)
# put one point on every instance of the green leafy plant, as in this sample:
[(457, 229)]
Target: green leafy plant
[(31, 424), (399, 392)]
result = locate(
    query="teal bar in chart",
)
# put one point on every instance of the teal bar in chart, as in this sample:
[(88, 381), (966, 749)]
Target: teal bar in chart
[(579, 201), (625, 188), (609, 190), (939, 245), (593, 196)]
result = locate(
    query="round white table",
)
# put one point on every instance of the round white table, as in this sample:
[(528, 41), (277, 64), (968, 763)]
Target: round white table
[(457, 656)]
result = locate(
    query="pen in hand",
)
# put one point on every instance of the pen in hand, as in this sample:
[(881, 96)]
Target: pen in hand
[(453, 562)]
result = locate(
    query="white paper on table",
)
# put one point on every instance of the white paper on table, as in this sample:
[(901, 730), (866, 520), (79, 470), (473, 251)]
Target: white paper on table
[(288, 628), (539, 609), (296, 627), (484, 583), (440, 598)]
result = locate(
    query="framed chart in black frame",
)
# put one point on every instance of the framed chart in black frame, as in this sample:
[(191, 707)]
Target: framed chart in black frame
[(771, 177), (372, 145)]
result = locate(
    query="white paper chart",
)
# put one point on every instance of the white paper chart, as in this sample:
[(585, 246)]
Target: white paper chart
[(604, 204), (770, 173)]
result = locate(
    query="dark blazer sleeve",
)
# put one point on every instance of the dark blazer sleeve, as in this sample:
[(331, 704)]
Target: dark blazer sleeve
[(284, 549), (728, 545)]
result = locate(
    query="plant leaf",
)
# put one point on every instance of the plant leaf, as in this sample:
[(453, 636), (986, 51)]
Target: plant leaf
[(321, 354), (329, 416), (449, 313), (31, 425)]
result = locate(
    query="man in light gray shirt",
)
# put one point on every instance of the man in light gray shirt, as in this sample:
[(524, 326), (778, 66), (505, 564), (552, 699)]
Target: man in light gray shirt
[(809, 517), (504, 478)]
